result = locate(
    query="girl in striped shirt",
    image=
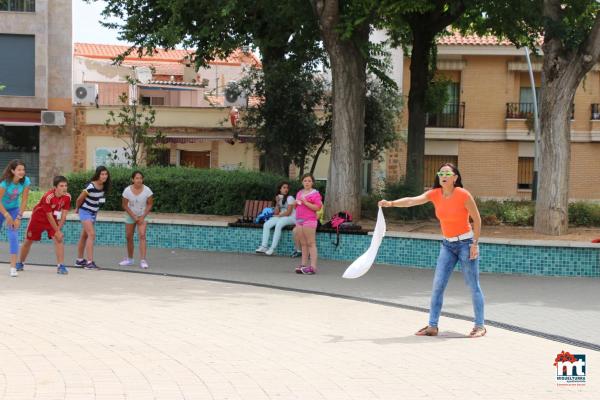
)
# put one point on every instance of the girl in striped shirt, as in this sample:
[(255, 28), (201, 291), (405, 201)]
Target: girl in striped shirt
[(87, 205)]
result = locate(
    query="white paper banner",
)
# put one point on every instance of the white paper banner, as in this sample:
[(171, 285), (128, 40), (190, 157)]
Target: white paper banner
[(363, 263)]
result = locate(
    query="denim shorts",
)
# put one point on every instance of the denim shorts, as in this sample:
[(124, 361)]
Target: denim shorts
[(85, 215), (130, 221)]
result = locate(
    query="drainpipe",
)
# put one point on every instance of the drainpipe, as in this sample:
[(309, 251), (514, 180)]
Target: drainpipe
[(536, 128)]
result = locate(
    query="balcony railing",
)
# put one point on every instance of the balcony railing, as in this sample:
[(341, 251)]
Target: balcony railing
[(452, 116), (525, 110), (519, 110), (595, 112)]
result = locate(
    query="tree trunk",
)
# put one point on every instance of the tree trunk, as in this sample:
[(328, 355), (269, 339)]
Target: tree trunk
[(563, 70), (551, 216), (274, 153), (348, 69), (419, 82)]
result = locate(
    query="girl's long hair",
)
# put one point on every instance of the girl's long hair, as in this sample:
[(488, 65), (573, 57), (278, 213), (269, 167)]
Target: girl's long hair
[(8, 174), (96, 177), (279, 186), (458, 183)]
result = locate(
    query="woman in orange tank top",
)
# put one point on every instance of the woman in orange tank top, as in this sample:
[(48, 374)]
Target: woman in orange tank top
[(453, 207)]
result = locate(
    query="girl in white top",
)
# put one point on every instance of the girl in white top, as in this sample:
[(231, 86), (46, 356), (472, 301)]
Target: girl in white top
[(285, 214), (137, 202)]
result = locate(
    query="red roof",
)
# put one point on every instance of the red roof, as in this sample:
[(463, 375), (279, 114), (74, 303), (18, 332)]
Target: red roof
[(457, 39), (166, 62)]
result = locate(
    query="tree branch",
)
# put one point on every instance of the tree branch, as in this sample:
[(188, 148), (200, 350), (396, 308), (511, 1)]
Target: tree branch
[(448, 17), (590, 49)]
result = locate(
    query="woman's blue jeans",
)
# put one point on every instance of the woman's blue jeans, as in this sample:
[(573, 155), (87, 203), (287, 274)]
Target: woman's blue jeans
[(450, 254)]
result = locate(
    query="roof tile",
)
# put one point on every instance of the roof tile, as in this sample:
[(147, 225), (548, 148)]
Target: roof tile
[(455, 38)]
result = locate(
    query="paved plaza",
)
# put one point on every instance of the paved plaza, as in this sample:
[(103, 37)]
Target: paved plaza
[(567, 308), (114, 335)]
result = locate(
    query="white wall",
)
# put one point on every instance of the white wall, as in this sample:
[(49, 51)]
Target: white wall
[(224, 73), (90, 70), (397, 57)]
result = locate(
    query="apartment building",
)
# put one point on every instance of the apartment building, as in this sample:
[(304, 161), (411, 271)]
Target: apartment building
[(192, 112), (35, 71), (487, 127)]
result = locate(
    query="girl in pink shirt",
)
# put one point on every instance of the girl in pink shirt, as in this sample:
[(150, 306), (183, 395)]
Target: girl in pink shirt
[(308, 202)]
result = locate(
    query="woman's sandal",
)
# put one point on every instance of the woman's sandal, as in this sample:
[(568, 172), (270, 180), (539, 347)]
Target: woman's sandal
[(478, 331), (427, 331)]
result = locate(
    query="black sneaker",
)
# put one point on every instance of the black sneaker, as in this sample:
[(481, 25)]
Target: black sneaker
[(296, 254), (81, 263), (91, 266)]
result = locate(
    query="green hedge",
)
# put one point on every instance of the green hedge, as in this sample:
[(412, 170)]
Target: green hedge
[(191, 190), (584, 214), (393, 191), (519, 213), (522, 213), (34, 198)]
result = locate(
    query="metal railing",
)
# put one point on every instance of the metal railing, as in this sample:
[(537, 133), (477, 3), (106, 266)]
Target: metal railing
[(519, 110), (595, 112), (452, 116), (525, 110)]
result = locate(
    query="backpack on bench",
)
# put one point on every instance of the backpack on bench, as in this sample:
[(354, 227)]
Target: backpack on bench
[(342, 220)]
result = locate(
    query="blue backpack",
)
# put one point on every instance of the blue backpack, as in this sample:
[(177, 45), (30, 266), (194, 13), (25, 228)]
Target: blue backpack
[(264, 215)]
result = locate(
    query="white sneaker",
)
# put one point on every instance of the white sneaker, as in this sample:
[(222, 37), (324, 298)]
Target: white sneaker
[(261, 249), (144, 264), (270, 252), (127, 262), (13, 272)]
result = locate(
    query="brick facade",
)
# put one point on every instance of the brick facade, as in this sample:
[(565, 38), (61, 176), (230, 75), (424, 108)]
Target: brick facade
[(491, 141), (489, 169)]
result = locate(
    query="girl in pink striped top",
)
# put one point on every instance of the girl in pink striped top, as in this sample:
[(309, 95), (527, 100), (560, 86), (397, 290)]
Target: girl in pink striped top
[(308, 202)]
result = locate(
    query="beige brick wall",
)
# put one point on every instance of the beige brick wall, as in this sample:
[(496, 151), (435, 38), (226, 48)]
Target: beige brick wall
[(489, 169), (396, 161), (584, 181), (586, 94), (485, 89)]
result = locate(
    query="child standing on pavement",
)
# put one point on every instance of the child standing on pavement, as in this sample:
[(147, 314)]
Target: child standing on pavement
[(14, 190), (308, 202), (87, 205), (137, 202), (49, 216)]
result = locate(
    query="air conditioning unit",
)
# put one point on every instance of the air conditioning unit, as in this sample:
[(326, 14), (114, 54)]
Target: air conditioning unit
[(85, 93), (234, 95), (53, 118)]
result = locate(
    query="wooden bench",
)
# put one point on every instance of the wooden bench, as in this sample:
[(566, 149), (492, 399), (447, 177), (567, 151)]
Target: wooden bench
[(252, 208)]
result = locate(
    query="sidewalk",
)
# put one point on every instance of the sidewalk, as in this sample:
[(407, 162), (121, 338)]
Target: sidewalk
[(104, 335), (565, 307)]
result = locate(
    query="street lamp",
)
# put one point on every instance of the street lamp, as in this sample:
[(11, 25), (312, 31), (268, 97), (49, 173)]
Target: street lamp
[(536, 128)]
